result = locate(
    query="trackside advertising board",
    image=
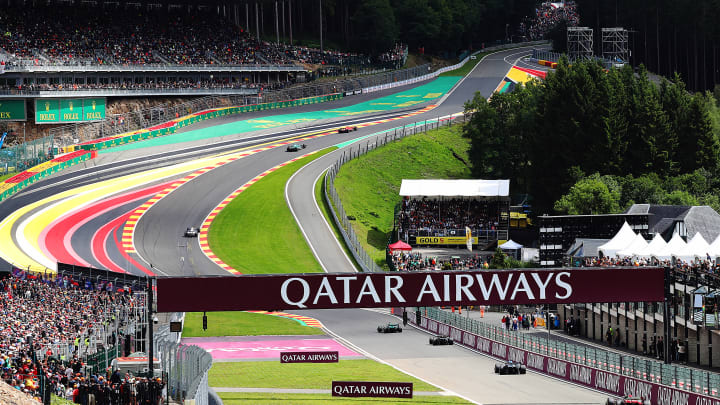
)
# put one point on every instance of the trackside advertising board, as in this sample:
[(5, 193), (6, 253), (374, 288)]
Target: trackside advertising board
[(13, 110), (410, 289), (69, 110), (372, 389)]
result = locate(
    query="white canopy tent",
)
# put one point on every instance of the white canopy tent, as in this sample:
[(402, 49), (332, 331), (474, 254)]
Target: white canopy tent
[(654, 248), (455, 188), (715, 247), (620, 241), (634, 248), (510, 245), (676, 245), (697, 247)]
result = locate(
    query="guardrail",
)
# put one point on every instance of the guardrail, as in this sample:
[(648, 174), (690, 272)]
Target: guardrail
[(611, 372), (360, 148), (186, 366)]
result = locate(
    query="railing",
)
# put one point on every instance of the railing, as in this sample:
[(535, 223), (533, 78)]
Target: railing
[(360, 148), (686, 378), (186, 367), (32, 67)]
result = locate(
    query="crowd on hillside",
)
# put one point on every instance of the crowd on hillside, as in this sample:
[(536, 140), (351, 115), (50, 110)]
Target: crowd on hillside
[(547, 15), (48, 323), (425, 217), (125, 35)]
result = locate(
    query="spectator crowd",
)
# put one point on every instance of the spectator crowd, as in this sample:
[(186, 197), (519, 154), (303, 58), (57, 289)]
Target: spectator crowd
[(118, 34), (548, 15), (48, 323), (407, 261), (426, 217)]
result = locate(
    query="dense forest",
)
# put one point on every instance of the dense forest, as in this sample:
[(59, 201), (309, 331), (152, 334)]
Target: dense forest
[(667, 36), (441, 27), (593, 135)]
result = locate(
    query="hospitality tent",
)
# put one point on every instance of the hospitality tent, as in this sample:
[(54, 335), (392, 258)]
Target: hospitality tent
[(715, 247), (399, 245), (654, 248), (620, 241), (633, 249), (510, 245), (676, 245), (697, 247)]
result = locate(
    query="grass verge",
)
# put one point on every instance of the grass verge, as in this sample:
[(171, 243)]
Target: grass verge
[(237, 398), (258, 219), (325, 209), (368, 186), (56, 400), (273, 374), (243, 324), (466, 68), (6, 176)]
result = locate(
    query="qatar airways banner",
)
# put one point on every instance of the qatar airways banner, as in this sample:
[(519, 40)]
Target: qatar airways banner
[(605, 381), (410, 289)]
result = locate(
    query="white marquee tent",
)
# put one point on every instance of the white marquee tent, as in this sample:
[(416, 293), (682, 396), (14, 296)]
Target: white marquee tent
[(697, 247), (634, 248), (654, 248), (620, 241), (715, 247), (675, 246)]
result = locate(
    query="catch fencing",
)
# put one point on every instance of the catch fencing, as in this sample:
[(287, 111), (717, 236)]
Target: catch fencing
[(633, 367), (186, 366), (21, 157), (359, 148)]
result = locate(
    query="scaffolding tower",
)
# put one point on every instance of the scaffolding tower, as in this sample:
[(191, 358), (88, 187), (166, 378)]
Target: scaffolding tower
[(615, 45), (580, 43)]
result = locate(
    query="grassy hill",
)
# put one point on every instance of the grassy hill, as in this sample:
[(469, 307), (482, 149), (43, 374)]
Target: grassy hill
[(368, 186)]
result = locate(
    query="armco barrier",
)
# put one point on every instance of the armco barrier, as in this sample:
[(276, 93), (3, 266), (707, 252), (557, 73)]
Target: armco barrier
[(446, 68), (171, 127), (21, 180), (544, 360)]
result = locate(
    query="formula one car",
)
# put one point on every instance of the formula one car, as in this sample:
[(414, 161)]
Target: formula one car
[(510, 367), (441, 341), (628, 400), (295, 147), (191, 232), (345, 130), (390, 328)]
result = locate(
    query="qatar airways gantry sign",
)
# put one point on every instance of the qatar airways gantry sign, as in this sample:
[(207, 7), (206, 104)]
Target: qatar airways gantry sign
[(410, 289)]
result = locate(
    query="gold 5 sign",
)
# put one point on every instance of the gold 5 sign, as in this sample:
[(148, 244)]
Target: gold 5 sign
[(443, 240)]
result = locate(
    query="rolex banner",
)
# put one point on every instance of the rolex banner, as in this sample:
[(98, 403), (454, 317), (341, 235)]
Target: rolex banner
[(53, 111)]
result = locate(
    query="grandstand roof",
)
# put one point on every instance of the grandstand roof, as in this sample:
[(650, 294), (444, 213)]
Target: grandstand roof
[(455, 188)]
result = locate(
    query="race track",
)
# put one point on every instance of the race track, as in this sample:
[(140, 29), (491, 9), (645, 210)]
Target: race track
[(158, 246)]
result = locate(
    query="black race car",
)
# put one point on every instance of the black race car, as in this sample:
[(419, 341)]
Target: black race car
[(510, 367), (295, 147), (627, 400), (191, 232), (345, 130), (441, 340), (390, 328)]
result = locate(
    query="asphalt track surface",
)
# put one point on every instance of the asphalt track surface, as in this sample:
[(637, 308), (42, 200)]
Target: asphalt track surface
[(158, 238)]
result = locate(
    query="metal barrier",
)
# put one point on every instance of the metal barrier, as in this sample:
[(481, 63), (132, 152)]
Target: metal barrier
[(14, 159), (675, 376), (186, 367), (360, 148)]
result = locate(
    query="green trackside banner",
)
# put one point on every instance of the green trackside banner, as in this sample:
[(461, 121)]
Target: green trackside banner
[(47, 111), (69, 110), (93, 109), (13, 110)]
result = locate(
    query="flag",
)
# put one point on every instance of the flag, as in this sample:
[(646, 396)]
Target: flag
[(468, 238)]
